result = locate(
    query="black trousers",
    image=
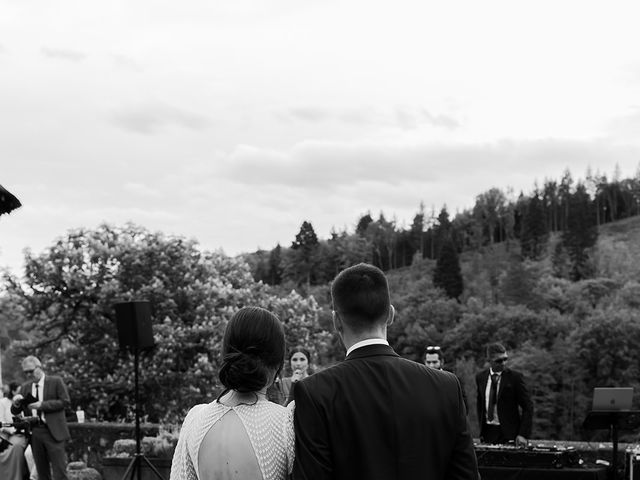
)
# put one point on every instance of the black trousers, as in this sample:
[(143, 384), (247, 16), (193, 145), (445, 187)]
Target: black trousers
[(49, 454)]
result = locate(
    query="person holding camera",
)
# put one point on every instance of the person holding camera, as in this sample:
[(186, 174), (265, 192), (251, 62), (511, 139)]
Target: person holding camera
[(13, 441), (43, 399)]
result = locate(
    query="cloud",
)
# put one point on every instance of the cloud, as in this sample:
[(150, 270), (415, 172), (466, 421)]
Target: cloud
[(126, 63), (141, 190), (407, 118), (333, 165), (310, 114), (626, 126), (150, 118), (63, 54)]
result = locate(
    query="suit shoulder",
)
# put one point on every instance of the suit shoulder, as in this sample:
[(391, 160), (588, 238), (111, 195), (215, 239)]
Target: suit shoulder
[(325, 375), (54, 379), (515, 373)]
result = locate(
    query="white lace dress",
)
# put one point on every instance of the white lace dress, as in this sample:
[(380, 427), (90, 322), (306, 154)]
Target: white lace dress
[(268, 425)]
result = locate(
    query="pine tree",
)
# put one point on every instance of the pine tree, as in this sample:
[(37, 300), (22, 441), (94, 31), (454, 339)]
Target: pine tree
[(533, 233), (417, 229), (363, 224), (581, 233), (442, 231), (302, 257), (447, 274), (275, 266)]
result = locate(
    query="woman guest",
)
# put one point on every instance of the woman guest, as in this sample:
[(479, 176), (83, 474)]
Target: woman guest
[(299, 360), (241, 434), (13, 465)]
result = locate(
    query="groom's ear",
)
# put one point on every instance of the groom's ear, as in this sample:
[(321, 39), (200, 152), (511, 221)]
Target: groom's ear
[(392, 315), (337, 321)]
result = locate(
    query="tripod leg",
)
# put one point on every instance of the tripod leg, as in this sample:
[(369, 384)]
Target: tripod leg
[(131, 468), (153, 468)]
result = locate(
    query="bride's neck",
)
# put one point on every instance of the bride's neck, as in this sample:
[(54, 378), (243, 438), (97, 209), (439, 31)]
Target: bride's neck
[(233, 397)]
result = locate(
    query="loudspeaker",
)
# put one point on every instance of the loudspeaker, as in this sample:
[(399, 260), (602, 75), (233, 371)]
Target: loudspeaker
[(133, 320)]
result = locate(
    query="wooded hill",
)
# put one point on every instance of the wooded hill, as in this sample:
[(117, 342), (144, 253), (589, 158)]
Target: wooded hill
[(558, 282)]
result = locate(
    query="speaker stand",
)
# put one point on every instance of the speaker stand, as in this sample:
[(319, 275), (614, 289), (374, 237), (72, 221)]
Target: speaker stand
[(135, 466)]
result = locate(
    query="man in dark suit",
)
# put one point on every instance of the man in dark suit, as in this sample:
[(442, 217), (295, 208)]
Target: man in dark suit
[(505, 409), (434, 358), (49, 427), (376, 415)]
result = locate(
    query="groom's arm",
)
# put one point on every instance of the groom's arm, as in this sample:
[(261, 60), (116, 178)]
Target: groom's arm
[(313, 450)]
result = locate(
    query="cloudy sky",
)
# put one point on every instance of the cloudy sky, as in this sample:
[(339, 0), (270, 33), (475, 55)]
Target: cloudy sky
[(232, 122)]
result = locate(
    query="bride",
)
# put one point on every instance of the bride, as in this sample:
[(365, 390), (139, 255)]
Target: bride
[(241, 434)]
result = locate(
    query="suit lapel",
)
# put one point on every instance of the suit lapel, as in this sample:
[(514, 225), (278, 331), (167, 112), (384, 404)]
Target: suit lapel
[(483, 386), (45, 389), (504, 379)]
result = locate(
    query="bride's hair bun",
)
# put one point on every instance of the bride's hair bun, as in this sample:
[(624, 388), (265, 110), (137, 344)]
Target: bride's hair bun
[(243, 372), (252, 347)]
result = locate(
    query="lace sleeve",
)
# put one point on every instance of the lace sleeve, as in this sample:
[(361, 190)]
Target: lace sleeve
[(289, 437), (181, 466)]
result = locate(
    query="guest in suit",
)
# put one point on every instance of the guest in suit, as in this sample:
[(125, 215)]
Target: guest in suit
[(434, 358), (505, 409), (49, 431), (376, 415)]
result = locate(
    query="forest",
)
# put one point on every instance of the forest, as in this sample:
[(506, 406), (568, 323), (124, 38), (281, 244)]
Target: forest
[(554, 274)]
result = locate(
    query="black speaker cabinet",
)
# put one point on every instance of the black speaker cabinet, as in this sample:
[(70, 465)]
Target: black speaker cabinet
[(133, 320)]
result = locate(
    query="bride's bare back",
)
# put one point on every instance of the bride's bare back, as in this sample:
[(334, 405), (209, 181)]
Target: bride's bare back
[(242, 441), (226, 452)]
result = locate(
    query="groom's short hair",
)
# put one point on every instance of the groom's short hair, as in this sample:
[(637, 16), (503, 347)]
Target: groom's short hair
[(360, 296)]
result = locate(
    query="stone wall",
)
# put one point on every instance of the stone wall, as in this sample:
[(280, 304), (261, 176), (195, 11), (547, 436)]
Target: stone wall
[(90, 441)]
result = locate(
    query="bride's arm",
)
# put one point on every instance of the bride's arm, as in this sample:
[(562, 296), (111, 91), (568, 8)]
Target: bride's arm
[(290, 439)]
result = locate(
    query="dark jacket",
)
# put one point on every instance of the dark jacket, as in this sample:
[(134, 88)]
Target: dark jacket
[(55, 399), (515, 408), (381, 417)]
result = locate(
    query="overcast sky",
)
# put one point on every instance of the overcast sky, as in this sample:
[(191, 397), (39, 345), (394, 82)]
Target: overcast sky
[(232, 122)]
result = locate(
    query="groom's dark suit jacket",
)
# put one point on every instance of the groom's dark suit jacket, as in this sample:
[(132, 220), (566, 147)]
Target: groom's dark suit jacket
[(379, 416), (513, 398)]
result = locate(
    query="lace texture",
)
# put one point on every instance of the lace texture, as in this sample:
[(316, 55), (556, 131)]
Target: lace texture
[(268, 425)]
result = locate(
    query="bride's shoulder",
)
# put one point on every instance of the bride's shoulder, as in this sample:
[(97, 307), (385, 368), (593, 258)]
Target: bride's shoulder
[(198, 411)]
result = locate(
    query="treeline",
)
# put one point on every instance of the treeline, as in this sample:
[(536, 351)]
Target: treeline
[(566, 336), (574, 208)]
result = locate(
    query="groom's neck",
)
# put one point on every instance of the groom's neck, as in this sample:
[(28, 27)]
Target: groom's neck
[(349, 339)]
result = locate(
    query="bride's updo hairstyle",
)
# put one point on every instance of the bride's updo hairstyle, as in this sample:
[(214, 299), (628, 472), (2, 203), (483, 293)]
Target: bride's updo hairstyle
[(252, 348)]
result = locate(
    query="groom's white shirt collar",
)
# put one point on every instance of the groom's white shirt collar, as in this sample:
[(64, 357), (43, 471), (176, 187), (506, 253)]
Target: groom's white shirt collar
[(365, 343)]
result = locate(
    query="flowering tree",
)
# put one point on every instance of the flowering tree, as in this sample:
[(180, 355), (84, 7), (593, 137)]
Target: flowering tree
[(67, 299)]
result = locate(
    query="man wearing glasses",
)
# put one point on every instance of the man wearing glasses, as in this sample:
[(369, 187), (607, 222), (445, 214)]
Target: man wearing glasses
[(47, 399), (505, 410), (434, 358)]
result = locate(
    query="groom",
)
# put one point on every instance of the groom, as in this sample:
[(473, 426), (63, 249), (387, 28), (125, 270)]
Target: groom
[(376, 415)]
